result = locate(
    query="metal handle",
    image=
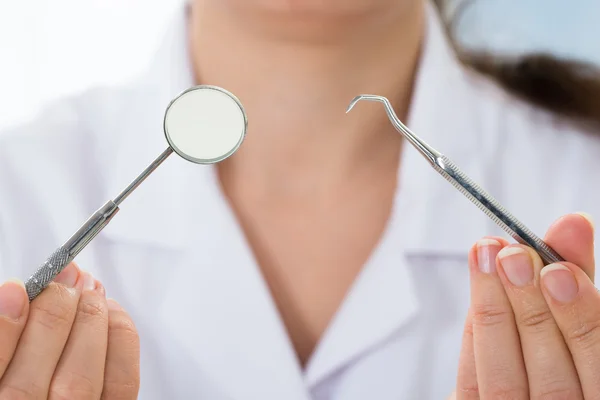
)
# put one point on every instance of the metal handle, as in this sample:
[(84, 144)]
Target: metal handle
[(46, 273), (492, 208), (466, 186)]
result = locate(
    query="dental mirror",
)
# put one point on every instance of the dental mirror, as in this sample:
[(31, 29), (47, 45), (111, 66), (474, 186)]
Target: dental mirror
[(204, 125)]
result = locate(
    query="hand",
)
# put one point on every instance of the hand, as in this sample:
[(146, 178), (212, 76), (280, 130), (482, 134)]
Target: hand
[(533, 332), (69, 343)]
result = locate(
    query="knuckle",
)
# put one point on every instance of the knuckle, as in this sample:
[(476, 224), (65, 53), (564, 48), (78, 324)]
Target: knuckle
[(556, 394), (73, 385), (122, 390), (13, 392), (58, 292), (468, 326), (468, 331), (52, 314), (468, 391), (585, 333), (121, 324), (535, 320), (490, 315), (501, 393), (92, 309)]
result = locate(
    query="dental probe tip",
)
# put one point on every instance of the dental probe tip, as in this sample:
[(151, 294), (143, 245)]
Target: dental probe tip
[(353, 103), (367, 97)]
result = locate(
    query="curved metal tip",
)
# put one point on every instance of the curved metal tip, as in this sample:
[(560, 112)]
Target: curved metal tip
[(367, 97), (427, 151)]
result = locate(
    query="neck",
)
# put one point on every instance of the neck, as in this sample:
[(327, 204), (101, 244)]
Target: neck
[(296, 72)]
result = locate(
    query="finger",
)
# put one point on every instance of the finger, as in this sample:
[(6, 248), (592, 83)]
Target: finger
[(575, 305), (14, 307), (572, 236), (80, 371), (498, 359), (122, 373), (47, 329), (466, 382), (548, 362)]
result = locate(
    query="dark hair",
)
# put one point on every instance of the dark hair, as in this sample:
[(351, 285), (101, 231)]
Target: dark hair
[(570, 88)]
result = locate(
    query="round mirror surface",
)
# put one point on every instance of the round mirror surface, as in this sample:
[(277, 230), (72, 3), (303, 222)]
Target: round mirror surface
[(205, 124)]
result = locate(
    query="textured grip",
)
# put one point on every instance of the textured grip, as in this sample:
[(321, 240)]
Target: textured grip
[(494, 210), (47, 272)]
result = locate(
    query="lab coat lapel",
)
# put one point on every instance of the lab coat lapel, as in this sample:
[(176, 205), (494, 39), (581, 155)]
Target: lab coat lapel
[(383, 299), (218, 304), (223, 313)]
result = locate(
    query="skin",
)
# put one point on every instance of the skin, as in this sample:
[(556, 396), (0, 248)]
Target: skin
[(312, 228), (536, 335), (69, 343)]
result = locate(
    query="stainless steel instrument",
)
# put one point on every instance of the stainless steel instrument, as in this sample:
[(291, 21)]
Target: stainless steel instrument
[(204, 125), (486, 203)]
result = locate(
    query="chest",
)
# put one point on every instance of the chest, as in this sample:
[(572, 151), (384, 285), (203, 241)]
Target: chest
[(221, 334), (310, 253)]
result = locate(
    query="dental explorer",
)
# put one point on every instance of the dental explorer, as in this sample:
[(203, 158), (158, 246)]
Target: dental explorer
[(484, 201)]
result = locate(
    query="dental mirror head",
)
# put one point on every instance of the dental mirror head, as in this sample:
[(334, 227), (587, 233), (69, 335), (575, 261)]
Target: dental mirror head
[(205, 124)]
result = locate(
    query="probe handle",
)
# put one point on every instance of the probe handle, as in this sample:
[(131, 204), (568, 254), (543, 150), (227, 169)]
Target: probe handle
[(492, 208), (62, 256), (47, 272)]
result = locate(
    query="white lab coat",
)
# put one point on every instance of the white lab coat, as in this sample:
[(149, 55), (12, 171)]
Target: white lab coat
[(176, 257)]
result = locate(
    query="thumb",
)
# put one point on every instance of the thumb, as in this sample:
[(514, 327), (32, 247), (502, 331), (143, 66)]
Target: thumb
[(452, 396), (572, 236)]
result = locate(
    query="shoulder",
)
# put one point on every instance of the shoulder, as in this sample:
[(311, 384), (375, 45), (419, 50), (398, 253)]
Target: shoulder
[(51, 171), (538, 164), (510, 120), (60, 127), (60, 145), (521, 135)]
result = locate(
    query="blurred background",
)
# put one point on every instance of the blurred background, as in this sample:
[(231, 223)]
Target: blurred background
[(52, 48)]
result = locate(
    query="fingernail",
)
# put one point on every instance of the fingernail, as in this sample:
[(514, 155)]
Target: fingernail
[(113, 305), (12, 299), (89, 283), (68, 276), (560, 282), (487, 249), (517, 265), (589, 219)]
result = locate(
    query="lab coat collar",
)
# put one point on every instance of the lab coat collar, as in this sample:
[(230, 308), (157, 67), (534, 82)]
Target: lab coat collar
[(240, 340), (444, 114), (383, 299)]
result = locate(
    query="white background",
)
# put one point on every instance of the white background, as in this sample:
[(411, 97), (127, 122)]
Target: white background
[(49, 48)]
